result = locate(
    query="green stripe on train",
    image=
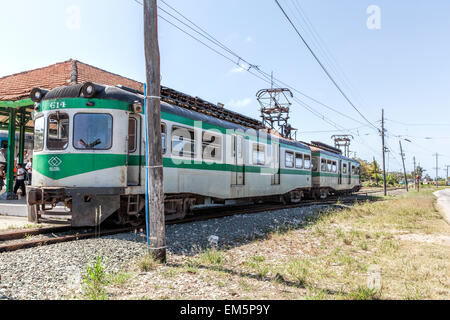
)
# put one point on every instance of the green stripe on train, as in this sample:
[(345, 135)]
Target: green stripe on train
[(61, 166)]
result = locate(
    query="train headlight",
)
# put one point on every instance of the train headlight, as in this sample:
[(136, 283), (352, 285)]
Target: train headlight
[(137, 107), (89, 90), (37, 94)]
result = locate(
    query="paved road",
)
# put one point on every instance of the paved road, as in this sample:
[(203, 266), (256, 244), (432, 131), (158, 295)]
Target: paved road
[(444, 202)]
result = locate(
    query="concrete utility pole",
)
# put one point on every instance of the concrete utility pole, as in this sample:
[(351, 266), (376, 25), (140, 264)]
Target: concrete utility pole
[(404, 168), (155, 190), (384, 150), (446, 181), (437, 168)]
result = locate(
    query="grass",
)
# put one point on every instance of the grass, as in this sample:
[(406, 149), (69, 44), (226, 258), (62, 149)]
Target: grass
[(355, 253), (94, 281), (147, 263)]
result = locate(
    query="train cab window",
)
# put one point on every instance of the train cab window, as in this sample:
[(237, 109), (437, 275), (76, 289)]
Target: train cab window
[(58, 131), (183, 142), (344, 168), (163, 137), (132, 135), (92, 131), (307, 162), (315, 164), (323, 166), (39, 132), (299, 161), (259, 154), (289, 159), (211, 146), (353, 170)]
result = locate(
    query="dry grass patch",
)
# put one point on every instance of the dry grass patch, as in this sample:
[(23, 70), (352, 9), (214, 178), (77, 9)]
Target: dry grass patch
[(370, 251)]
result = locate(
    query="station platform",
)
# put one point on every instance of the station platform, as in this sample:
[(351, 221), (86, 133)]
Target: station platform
[(14, 208)]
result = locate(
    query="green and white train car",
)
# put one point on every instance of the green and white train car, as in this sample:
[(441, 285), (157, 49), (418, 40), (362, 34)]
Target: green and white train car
[(333, 173), (90, 155)]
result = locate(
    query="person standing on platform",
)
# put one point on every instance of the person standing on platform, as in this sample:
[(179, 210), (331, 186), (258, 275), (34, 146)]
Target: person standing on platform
[(20, 180), (29, 168)]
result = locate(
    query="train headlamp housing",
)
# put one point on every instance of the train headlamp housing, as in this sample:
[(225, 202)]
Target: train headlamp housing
[(137, 107), (89, 90), (37, 94)]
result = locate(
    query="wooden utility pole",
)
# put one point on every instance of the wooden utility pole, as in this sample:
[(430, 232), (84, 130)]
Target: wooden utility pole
[(384, 152), (404, 168), (155, 190)]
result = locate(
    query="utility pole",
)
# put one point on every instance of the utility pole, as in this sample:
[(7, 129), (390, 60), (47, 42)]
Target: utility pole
[(384, 150), (404, 168), (156, 230), (437, 168), (446, 181), (415, 174)]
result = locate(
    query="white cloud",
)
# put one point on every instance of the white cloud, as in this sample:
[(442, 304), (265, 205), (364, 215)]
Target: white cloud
[(237, 69), (73, 18), (240, 103)]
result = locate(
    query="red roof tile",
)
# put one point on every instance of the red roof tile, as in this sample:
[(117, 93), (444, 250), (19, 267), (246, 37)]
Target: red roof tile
[(18, 86)]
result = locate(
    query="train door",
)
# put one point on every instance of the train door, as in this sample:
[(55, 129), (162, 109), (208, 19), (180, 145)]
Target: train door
[(349, 173), (238, 174), (134, 151), (340, 172), (276, 179)]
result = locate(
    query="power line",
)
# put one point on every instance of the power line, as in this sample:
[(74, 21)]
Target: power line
[(257, 72), (252, 69), (323, 67)]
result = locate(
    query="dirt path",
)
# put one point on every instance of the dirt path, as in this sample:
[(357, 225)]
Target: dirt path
[(444, 203)]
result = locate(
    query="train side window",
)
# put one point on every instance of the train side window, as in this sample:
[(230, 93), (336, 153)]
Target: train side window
[(307, 162), (344, 169), (212, 146), (58, 131), (323, 166), (163, 137), (259, 154), (39, 133), (289, 159), (299, 161), (132, 134), (330, 166), (183, 142), (334, 166)]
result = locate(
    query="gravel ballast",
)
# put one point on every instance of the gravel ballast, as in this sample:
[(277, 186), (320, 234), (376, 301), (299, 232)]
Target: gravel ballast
[(55, 271)]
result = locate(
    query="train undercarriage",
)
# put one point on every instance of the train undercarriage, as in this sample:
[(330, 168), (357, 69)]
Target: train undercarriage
[(92, 206)]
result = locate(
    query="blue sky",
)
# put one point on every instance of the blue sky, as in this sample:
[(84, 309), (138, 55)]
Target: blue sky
[(402, 67)]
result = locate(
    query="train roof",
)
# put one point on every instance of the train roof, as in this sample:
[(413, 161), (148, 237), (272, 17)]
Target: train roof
[(333, 154), (176, 103)]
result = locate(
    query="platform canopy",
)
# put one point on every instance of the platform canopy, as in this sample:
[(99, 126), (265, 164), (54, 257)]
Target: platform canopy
[(16, 107)]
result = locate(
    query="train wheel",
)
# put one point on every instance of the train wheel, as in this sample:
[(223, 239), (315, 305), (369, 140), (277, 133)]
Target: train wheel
[(324, 194)]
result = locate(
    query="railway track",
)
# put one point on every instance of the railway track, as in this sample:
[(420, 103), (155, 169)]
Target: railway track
[(25, 239)]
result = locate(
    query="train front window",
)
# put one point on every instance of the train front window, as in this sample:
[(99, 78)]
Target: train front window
[(92, 131), (58, 131), (39, 130)]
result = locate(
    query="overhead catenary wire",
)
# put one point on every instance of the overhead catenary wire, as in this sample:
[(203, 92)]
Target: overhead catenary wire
[(252, 69), (323, 66), (255, 70)]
